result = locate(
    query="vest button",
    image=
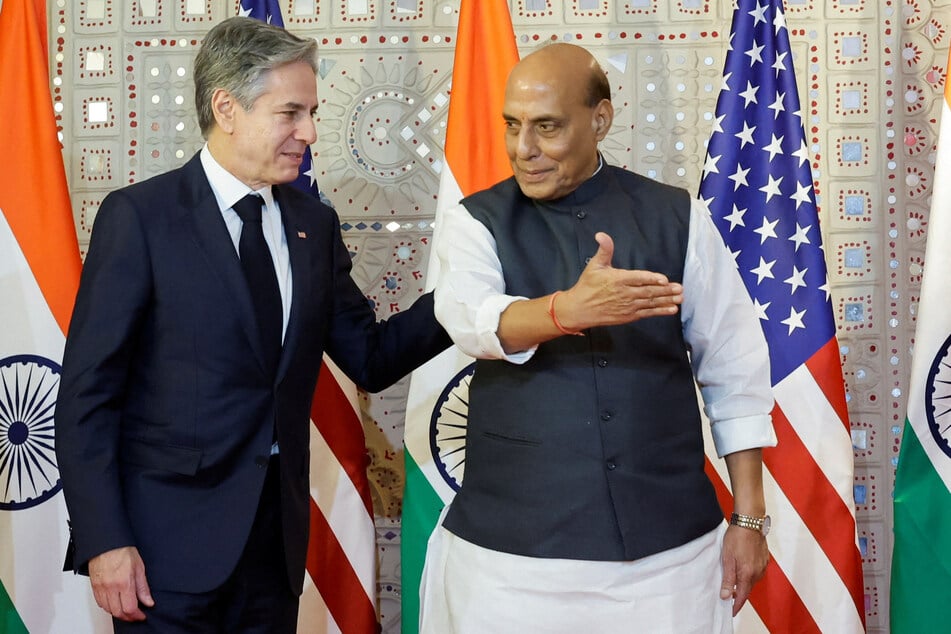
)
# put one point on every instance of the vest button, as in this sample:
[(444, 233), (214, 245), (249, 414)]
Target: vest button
[(606, 415), (602, 363), (581, 215), (611, 465)]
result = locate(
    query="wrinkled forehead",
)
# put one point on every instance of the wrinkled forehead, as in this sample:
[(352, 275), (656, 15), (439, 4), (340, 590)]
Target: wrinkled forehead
[(552, 93)]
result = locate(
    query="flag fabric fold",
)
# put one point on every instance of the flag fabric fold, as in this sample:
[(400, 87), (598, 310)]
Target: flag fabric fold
[(39, 276), (340, 588), (475, 158), (921, 557), (758, 186)]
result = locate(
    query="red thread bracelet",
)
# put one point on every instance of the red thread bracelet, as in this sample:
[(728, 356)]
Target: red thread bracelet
[(554, 320)]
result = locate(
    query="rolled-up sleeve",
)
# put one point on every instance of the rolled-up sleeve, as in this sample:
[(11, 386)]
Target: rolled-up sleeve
[(728, 350), (470, 288)]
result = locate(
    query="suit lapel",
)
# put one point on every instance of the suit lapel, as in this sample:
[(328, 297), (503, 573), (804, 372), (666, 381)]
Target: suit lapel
[(301, 272), (213, 238)]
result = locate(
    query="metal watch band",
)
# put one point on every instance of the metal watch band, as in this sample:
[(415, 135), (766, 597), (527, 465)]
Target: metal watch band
[(748, 521)]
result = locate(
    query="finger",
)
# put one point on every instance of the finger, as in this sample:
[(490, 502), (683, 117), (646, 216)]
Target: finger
[(129, 607), (656, 300), (655, 283), (142, 590), (114, 604), (605, 251), (647, 313), (742, 594), (101, 599)]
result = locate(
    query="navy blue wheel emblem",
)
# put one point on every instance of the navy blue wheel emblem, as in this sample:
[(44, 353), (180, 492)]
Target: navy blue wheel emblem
[(28, 472), (447, 428), (938, 398)]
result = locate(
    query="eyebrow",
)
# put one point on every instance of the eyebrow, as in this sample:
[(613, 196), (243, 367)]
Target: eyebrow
[(541, 117), (293, 105)]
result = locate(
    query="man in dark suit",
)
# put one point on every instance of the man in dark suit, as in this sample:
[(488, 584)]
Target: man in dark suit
[(182, 423)]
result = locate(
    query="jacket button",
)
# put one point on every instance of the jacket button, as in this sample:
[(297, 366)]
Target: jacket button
[(581, 215), (602, 363), (611, 465), (606, 415)]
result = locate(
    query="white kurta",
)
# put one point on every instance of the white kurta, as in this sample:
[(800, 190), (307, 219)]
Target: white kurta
[(468, 589)]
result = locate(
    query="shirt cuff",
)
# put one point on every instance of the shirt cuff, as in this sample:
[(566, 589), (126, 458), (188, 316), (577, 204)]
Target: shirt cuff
[(487, 326), (737, 434)]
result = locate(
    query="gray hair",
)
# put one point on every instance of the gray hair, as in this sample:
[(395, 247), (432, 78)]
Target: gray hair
[(599, 88), (237, 55)]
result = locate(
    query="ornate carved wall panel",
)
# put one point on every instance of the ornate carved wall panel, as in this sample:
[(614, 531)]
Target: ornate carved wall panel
[(870, 82)]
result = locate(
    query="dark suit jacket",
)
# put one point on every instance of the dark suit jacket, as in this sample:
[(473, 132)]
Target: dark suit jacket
[(165, 415)]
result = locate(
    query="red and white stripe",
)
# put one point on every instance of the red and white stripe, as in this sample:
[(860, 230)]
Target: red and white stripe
[(809, 584), (340, 588)]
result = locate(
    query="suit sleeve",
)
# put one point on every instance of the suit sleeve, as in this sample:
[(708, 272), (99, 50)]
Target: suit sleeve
[(376, 354), (100, 346)]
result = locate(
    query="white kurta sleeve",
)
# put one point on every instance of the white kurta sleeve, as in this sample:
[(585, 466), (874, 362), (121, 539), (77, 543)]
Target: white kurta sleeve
[(728, 350), (470, 289)]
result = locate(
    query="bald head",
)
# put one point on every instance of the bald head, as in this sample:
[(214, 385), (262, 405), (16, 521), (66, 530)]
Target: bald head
[(562, 63), (557, 109)]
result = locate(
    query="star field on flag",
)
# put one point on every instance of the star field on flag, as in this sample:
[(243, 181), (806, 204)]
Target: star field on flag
[(757, 183)]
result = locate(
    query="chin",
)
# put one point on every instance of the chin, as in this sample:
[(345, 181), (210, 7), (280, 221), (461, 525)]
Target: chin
[(538, 193), (286, 177)]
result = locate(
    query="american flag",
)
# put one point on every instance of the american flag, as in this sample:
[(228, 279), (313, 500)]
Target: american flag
[(758, 184), (340, 591)]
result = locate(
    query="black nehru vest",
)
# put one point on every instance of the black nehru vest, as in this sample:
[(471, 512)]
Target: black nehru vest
[(593, 449)]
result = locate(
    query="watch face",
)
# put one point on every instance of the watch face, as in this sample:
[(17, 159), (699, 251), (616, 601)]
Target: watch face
[(766, 524)]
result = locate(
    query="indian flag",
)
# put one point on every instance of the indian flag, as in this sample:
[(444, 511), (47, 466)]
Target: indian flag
[(39, 275), (437, 404), (921, 559)]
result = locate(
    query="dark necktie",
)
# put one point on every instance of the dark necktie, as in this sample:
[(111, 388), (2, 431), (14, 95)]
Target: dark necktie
[(262, 280)]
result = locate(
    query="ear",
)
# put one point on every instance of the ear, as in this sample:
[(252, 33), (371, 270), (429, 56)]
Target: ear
[(602, 118), (224, 107)]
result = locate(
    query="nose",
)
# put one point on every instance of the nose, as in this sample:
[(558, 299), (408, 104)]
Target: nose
[(526, 145), (307, 131)]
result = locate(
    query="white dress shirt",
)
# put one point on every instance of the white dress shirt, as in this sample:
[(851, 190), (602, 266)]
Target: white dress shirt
[(228, 190)]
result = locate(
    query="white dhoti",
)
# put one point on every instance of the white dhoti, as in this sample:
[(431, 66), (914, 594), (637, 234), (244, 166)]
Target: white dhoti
[(467, 589)]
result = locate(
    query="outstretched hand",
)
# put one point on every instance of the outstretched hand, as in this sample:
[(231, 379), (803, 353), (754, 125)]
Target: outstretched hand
[(607, 296)]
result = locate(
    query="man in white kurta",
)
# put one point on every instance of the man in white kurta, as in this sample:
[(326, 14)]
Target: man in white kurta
[(557, 109)]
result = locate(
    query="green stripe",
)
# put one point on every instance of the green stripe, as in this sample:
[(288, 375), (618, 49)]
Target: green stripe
[(10, 621), (421, 508), (921, 559)]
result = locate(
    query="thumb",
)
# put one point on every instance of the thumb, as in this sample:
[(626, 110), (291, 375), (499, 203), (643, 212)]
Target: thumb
[(602, 259), (142, 590), (729, 582)]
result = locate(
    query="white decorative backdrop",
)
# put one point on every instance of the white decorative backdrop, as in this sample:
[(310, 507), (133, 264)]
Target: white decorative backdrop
[(870, 80)]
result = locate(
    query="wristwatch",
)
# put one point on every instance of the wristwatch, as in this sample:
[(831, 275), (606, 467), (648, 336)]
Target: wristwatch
[(760, 524)]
